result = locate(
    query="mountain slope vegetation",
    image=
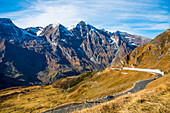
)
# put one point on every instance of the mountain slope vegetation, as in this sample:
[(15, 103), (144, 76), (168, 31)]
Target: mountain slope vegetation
[(155, 54)]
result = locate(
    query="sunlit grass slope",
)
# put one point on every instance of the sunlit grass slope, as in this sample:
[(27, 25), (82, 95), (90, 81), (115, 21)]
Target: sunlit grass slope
[(95, 85), (154, 99)]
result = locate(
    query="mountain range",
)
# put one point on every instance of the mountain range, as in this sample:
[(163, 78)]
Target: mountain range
[(38, 55), (67, 92)]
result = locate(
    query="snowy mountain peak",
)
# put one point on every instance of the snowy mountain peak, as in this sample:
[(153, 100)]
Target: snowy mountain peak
[(11, 32), (119, 32), (6, 21), (57, 25), (61, 26), (62, 30), (82, 23)]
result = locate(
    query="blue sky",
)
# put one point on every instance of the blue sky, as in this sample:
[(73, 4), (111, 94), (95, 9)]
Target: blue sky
[(142, 17)]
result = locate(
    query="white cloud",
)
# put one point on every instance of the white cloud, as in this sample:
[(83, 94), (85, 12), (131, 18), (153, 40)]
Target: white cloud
[(109, 14), (66, 15)]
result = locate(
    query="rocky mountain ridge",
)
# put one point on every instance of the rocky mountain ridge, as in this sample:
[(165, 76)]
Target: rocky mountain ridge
[(65, 52)]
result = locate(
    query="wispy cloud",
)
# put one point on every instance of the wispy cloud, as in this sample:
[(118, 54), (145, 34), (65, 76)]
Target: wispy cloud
[(42, 13), (109, 14), (161, 26)]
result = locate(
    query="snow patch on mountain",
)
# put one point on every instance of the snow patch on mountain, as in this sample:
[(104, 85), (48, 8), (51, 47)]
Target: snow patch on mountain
[(55, 25), (72, 27), (39, 32), (63, 40), (133, 44)]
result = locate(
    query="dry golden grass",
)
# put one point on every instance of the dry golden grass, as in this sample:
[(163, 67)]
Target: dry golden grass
[(154, 99), (37, 99), (33, 99), (107, 82)]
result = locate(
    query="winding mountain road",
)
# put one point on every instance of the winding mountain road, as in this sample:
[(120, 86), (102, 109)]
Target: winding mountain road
[(140, 85)]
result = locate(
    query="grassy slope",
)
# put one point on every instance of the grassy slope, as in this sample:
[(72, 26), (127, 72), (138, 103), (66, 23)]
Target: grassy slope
[(36, 99), (107, 82), (154, 99), (32, 99)]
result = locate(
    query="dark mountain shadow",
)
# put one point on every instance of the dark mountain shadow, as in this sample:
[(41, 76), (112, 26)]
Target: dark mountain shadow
[(23, 61)]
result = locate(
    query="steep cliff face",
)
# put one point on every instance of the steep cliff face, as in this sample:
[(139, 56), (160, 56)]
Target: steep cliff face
[(2, 49), (64, 52), (155, 54), (124, 48), (98, 45)]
